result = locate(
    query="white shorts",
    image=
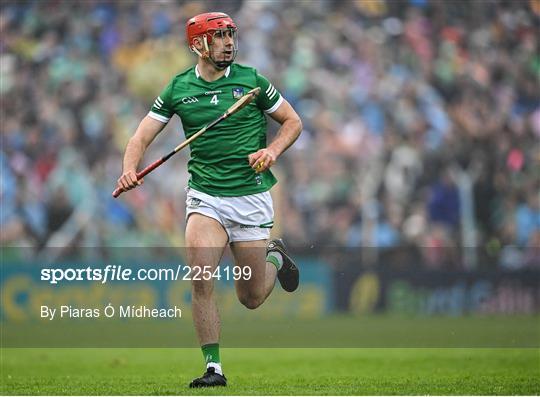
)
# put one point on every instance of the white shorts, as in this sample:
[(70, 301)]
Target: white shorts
[(245, 218)]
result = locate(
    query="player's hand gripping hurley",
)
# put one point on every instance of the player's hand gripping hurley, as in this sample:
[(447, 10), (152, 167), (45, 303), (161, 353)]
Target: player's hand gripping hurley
[(241, 103)]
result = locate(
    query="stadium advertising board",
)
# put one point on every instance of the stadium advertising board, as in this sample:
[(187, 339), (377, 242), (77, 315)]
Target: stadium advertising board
[(431, 292)]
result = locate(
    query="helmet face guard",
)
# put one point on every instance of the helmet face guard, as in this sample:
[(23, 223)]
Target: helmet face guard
[(208, 28), (222, 35)]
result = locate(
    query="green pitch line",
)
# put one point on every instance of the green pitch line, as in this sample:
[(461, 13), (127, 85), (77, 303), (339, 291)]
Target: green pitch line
[(273, 371)]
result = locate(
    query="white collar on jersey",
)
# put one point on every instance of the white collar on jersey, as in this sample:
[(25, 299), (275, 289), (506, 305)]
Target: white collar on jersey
[(227, 71)]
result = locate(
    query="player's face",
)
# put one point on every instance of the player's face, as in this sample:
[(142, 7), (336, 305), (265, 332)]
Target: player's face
[(223, 46)]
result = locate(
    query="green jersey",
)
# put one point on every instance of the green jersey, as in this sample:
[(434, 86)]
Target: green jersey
[(219, 158)]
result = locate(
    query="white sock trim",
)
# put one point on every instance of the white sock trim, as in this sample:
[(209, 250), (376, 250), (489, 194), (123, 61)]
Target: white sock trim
[(216, 366)]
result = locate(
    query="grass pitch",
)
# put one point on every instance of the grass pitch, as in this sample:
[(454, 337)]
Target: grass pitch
[(285, 371)]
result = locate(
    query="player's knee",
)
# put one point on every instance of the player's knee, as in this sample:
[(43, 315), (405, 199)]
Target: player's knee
[(250, 301), (202, 288)]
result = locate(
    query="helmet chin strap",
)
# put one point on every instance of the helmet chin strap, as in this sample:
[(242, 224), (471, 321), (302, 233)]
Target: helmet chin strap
[(220, 65)]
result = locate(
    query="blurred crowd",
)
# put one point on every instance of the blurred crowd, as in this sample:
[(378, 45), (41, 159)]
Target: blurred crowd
[(421, 123)]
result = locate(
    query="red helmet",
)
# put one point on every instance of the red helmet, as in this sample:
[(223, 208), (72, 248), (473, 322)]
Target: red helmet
[(206, 24)]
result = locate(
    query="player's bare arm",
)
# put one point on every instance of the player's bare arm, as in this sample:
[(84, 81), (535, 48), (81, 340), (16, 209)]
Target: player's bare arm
[(146, 132), (291, 127)]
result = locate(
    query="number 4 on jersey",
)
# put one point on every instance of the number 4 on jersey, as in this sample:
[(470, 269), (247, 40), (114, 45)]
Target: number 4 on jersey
[(214, 100)]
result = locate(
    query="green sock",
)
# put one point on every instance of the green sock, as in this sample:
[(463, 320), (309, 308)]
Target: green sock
[(275, 258), (211, 353)]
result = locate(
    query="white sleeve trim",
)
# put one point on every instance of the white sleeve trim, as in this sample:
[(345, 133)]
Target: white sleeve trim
[(159, 117), (275, 107)]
